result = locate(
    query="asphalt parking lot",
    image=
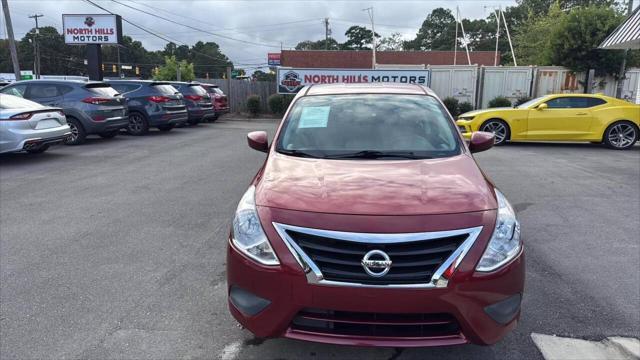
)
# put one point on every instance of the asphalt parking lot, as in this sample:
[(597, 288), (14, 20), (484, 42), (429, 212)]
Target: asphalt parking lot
[(115, 249)]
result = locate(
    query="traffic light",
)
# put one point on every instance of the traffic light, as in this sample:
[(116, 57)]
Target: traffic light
[(137, 70), (103, 67), (114, 68)]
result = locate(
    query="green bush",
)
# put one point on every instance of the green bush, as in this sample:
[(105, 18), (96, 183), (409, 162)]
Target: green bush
[(521, 100), (276, 103), (451, 104), (286, 101), (500, 101), (253, 105), (465, 107)]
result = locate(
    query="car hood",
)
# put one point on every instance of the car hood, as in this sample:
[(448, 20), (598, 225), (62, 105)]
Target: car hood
[(483, 111), (375, 187)]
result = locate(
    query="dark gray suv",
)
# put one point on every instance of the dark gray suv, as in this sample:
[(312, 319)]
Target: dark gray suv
[(151, 104), (90, 107), (198, 101)]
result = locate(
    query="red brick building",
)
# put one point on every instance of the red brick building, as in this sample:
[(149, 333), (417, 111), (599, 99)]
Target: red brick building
[(362, 59)]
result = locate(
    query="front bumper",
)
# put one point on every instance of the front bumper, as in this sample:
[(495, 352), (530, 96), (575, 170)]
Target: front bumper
[(286, 292)]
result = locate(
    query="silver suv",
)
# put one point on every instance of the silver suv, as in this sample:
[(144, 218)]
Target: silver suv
[(90, 107)]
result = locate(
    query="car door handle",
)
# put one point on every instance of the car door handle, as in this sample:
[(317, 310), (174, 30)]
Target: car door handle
[(582, 114)]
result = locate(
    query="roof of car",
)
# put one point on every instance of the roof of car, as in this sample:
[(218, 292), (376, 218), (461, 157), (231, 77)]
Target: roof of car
[(56, 81), (370, 88)]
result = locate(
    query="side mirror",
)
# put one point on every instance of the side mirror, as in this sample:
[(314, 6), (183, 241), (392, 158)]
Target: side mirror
[(481, 141), (258, 141), (542, 106)]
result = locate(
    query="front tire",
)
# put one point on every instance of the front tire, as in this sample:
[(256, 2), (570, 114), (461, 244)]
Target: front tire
[(621, 135), (138, 124), (78, 134), (500, 130)]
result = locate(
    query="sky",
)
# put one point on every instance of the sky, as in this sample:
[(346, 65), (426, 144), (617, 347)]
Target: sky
[(257, 27)]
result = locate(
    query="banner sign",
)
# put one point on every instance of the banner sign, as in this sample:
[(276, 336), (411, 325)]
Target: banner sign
[(92, 29), (273, 59), (291, 80)]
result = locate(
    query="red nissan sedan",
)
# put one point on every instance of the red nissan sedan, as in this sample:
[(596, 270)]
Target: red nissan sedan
[(371, 224)]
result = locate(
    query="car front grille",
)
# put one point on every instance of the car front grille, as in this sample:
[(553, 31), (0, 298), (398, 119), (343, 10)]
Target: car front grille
[(380, 325), (338, 256)]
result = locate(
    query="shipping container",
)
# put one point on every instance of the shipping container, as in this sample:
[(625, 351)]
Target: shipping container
[(507, 81), (460, 82)]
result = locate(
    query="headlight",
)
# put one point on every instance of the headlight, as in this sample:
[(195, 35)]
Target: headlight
[(248, 236), (466, 118), (505, 242)]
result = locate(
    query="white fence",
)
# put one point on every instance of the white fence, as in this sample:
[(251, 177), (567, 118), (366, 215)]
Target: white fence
[(479, 85)]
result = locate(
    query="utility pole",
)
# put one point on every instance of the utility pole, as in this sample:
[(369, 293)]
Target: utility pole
[(36, 46), (327, 32), (623, 66), (373, 30), (119, 64), (495, 56), (12, 40), (455, 42), (506, 27)]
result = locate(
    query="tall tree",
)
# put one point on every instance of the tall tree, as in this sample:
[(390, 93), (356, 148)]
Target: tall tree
[(392, 42), (318, 45), (436, 33), (574, 41), (358, 38)]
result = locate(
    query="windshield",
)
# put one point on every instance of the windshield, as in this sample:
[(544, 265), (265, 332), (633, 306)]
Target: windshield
[(196, 89), (368, 126), (529, 103)]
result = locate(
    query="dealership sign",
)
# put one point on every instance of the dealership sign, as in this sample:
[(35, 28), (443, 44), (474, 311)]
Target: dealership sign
[(92, 29), (291, 80), (273, 59)]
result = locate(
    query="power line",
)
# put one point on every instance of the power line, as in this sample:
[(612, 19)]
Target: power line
[(193, 27), (164, 37)]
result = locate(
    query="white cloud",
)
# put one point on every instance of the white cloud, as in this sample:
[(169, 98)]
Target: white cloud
[(250, 20)]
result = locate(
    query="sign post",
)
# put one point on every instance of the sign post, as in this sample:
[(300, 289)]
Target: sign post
[(93, 31)]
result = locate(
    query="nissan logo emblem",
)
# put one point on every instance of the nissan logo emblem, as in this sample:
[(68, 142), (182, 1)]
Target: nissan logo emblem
[(376, 263)]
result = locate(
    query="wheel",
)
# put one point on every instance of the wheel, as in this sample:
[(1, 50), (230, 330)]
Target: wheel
[(215, 117), (621, 135), (78, 134), (109, 134), (138, 124), (165, 127), (499, 128), (39, 150)]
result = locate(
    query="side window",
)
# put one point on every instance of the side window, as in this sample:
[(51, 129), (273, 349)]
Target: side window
[(42, 91), (568, 102), (596, 102), (16, 90)]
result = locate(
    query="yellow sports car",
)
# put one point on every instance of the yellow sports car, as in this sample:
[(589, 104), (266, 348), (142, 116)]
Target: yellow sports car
[(560, 117)]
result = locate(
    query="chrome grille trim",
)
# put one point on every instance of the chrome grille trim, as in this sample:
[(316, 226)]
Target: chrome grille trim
[(314, 275)]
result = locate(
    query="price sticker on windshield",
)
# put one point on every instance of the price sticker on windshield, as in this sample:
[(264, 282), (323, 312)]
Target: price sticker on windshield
[(314, 117)]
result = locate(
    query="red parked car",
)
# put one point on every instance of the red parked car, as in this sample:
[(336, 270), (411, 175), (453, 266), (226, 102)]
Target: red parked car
[(220, 101), (371, 224)]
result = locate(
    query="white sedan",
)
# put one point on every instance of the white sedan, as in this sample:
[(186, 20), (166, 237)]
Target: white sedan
[(29, 126)]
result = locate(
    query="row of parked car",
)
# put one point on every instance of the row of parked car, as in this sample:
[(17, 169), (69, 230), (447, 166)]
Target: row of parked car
[(36, 114)]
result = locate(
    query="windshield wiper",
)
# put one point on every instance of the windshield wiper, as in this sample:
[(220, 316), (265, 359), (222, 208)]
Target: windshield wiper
[(374, 154), (298, 153)]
